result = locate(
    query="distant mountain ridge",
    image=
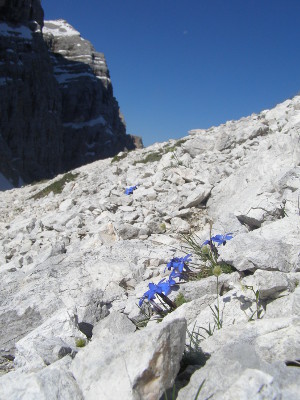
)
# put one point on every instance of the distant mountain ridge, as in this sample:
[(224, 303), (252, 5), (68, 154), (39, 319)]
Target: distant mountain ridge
[(57, 110)]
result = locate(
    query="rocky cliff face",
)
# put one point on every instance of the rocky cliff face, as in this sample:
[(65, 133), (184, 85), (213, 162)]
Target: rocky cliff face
[(92, 125), (77, 254), (31, 107), (58, 109), (18, 11)]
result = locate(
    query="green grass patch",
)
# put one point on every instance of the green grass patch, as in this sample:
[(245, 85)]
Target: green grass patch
[(226, 268), (79, 342), (205, 271), (151, 157), (180, 299), (169, 148), (163, 226), (117, 158), (157, 155), (56, 187)]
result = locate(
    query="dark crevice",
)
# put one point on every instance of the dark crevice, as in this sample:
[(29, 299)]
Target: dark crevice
[(192, 360), (86, 328), (246, 272), (294, 363), (248, 223)]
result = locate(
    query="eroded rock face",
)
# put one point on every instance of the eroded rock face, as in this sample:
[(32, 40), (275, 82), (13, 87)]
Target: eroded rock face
[(21, 11), (92, 125), (58, 110), (30, 125)]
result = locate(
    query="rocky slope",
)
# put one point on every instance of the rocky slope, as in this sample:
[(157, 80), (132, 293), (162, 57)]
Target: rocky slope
[(58, 110), (77, 254)]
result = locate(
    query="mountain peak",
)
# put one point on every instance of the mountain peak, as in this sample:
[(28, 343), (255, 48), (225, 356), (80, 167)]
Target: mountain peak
[(59, 27)]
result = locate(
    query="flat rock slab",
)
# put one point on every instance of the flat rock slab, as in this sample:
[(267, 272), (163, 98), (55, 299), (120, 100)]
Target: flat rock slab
[(274, 247)]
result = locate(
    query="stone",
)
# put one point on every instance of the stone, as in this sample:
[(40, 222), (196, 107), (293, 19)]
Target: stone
[(284, 305), (237, 354), (253, 384), (282, 344), (180, 225), (191, 309), (272, 247), (52, 382), (126, 231), (23, 11), (269, 284), (145, 376), (47, 343), (197, 289), (67, 204), (114, 324), (198, 196)]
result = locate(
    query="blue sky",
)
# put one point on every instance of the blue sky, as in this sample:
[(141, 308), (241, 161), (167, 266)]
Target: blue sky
[(178, 65)]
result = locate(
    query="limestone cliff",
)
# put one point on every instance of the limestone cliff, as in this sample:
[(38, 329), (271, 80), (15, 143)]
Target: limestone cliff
[(57, 108), (92, 125)]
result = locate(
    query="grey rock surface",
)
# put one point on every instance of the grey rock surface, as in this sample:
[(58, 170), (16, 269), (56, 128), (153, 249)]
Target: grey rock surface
[(147, 362), (53, 382), (22, 11), (241, 350)]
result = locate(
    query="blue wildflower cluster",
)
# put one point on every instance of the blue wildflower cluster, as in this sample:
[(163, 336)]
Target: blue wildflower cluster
[(130, 189), (218, 239), (163, 287), (179, 267)]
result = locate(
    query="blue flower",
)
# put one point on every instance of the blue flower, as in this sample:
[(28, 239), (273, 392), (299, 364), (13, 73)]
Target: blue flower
[(150, 294), (175, 274), (219, 239), (130, 189), (166, 285), (179, 263), (163, 286), (222, 239)]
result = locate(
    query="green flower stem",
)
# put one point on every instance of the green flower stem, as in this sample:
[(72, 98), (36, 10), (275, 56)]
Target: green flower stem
[(218, 311)]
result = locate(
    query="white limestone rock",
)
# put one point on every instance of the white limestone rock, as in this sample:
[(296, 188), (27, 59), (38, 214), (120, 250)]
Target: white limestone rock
[(146, 363), (51, 341), (273, 247), (230, 352), (114, 324), (53, 382), (253, 384), (197, 289), (66, 204), (191, 309), (269, 283), (180, 225), (126, 231), (199, 195)]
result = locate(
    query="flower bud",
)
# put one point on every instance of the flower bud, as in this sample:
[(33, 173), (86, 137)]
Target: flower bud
[(217, 270)]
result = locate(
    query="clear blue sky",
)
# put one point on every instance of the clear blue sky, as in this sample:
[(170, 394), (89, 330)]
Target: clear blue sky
[(177, 65)]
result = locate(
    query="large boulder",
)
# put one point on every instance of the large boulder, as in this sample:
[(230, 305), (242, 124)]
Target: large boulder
[(138, 366)]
